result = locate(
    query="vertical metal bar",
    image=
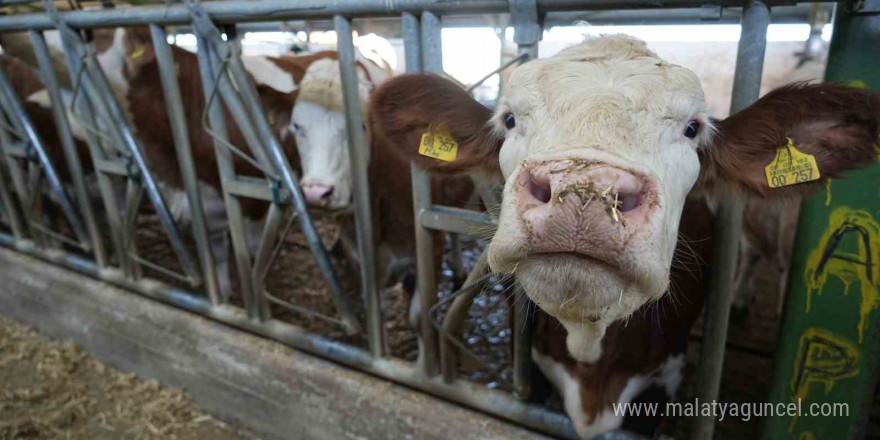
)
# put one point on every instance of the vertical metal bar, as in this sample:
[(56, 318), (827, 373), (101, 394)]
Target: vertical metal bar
[(16, 174), (217, 122), (177, 118), (65, 134), (9, 208), (432, 44), (359, 151), (411, 42), (728, 226), (527, 33), (421, 185)]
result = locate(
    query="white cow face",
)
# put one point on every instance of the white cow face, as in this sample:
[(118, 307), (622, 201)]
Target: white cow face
[(318, 122), (600, 146), (599, 154)]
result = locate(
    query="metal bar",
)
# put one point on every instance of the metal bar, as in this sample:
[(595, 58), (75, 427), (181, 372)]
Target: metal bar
[(21, 119), (457, 221), (259, 189), (426, 276), (518, 59), (65, 134), (223, 12), (177, 118), (728, 226), (412, 42), (217, 121), (9, 208), (464, 392), (455, 317), (432, 50), (359, 151), (263, 257)]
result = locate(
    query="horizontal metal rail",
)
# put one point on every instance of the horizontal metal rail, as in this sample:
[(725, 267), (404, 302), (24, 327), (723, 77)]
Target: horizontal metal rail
[(224, 12)]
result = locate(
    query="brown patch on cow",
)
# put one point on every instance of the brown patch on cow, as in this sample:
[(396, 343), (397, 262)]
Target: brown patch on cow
[(153, 126), (392, 136), (839, 125), (639, 345), (102, 38), (21, 77)]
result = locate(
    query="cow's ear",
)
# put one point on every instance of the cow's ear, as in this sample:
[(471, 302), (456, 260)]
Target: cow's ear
[(407, 108), (826, 128)]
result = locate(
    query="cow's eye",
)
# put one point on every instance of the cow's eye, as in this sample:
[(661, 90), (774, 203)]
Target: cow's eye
[(692, 129), (509, 121)]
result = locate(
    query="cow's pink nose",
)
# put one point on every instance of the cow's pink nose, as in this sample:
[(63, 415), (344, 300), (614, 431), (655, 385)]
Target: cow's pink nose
[(317, 194), (583, 207)]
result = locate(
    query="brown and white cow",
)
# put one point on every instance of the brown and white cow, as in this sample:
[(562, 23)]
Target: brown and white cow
[(128, 59), (608, 156)]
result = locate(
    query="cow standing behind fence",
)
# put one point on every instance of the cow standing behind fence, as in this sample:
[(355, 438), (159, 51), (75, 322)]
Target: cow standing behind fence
[(601, 146), (128, 60)]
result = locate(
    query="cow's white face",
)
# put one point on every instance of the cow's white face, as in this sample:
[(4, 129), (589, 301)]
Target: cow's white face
[(598, 158), (318, 122)]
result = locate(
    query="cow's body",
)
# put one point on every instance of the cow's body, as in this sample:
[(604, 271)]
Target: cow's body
[(609, 158)]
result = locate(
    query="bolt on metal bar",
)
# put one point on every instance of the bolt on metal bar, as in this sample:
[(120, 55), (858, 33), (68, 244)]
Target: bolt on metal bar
[(97, 87), (728, 225), (20, 118), (359, 151), (65, 134), (177, 118)]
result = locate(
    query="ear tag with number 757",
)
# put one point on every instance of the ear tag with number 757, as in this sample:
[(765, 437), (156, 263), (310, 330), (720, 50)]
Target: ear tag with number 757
[(791, 166)]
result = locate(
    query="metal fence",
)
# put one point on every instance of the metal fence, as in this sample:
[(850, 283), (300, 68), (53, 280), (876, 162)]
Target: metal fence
[(117, 154)]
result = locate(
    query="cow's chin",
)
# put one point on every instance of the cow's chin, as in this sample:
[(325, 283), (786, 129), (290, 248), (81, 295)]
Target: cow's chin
[(584, 294)]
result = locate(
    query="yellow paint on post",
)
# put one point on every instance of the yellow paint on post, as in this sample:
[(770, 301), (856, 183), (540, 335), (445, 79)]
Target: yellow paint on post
[(823, 358), (829, 259)]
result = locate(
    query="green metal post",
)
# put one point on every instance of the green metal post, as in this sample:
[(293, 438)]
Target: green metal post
[(827, 358)]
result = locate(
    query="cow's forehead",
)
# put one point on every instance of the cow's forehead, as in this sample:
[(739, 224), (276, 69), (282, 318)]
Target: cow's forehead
[(610, 74)]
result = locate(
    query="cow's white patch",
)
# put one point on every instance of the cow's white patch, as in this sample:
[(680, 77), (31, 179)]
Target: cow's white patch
[(318, 123), (671, 373), (584, 340), (268, 73), (112, 61), (323, 149), (667, 375), (42, 99)]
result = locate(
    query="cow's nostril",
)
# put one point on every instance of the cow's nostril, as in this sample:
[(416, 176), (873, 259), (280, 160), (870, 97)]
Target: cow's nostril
[(628, 202), (540, 190), (327, 194)]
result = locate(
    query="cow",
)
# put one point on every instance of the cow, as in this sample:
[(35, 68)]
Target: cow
[(608, 157), (128, 59)]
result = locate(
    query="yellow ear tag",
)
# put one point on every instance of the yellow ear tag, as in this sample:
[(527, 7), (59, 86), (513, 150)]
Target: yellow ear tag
[(439, 145), (138, 53), (790, 167)]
